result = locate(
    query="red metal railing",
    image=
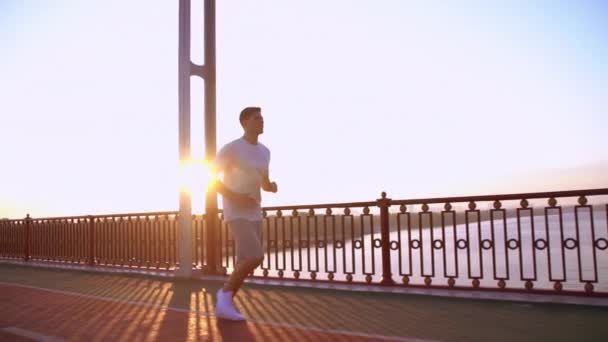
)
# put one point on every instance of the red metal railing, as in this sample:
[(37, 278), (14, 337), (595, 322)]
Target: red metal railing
[(554, 242), (145, 240), (12, 238)]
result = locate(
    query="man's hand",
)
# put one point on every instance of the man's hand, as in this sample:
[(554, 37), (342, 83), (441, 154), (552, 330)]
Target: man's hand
[(267, 185), (273, 187), (270, 186)]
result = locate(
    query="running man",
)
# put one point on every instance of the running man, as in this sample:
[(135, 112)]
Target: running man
[(244, 164)]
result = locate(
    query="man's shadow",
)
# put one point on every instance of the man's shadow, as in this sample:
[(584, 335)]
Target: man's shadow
[(234, 331)]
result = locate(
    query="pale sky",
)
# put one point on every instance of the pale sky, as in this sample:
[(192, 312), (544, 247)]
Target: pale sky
[(416, 98)]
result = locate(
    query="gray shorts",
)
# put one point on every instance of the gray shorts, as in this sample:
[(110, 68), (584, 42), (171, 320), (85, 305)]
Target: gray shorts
[(247, 237)]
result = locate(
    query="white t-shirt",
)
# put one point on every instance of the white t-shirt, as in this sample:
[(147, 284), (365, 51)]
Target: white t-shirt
[(243, 166)]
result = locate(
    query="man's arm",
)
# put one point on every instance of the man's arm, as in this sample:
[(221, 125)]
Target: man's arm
[(267, 185), (220, 164), (241, 199)]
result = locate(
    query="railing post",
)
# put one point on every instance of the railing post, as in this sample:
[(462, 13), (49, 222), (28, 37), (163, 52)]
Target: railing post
[(211, 242), (91, 256), (28, 237), (213, 260), (384, 203)]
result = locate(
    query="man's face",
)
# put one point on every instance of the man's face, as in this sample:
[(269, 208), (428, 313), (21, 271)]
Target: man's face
[(254, 124)]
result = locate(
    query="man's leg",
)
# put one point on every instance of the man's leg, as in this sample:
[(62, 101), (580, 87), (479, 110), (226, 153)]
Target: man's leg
[(242, 270), (247, 238)]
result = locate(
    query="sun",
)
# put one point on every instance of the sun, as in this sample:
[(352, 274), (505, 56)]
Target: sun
[(196, 176)]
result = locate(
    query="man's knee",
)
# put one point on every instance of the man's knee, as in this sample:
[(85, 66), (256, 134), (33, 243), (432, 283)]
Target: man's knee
[(252, 262), (257, 261)]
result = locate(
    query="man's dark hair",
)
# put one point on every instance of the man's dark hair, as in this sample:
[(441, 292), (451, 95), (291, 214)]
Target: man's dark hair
[(248, 112)]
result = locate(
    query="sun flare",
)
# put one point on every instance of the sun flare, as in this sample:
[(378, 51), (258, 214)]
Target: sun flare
[(196, 176)]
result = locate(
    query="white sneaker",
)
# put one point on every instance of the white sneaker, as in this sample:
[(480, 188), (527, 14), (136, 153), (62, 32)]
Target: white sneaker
[(224, 307)]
